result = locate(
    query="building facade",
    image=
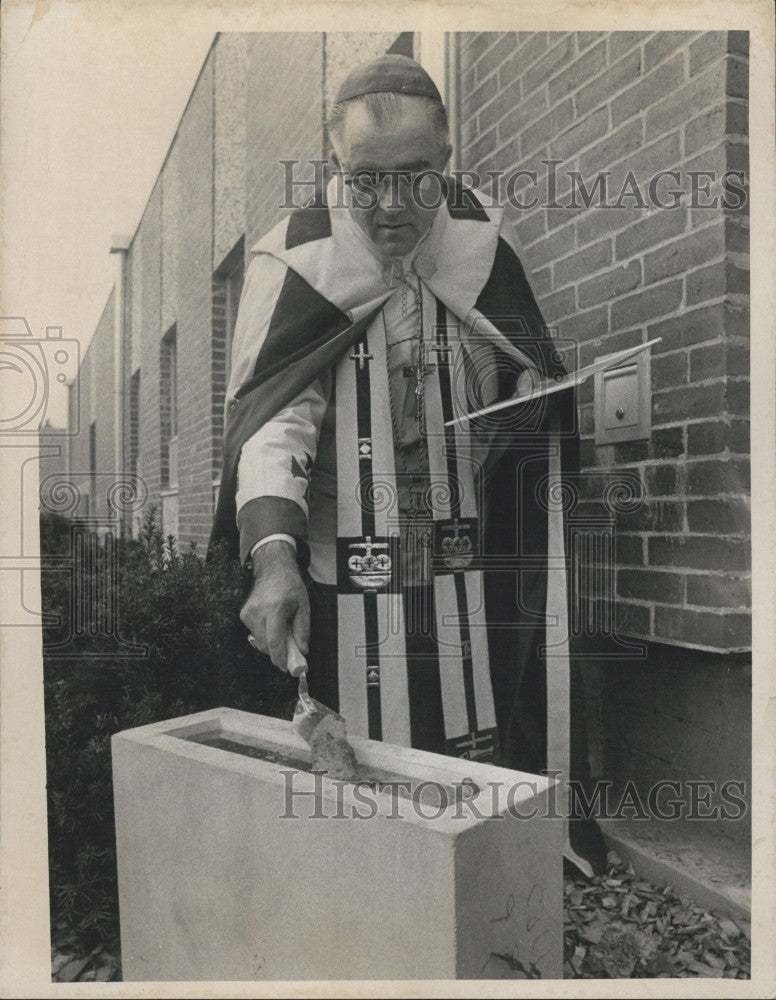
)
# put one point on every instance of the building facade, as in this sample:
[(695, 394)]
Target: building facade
[(624, 157)]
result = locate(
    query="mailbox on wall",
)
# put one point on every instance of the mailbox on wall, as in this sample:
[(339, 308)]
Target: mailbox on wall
[(622, 401)]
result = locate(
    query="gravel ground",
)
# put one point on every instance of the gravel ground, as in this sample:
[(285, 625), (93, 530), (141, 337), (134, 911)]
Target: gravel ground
[(615, 926)]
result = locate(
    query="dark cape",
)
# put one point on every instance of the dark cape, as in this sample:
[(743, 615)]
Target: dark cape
[(309, 334)]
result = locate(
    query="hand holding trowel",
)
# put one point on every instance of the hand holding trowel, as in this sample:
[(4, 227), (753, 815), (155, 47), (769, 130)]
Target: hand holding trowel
[(321, 727)]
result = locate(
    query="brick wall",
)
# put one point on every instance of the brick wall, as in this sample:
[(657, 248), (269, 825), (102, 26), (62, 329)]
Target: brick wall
[(612, 277), (284, 120), (91, 401), (195, 268), (258, 99), (146, 262)]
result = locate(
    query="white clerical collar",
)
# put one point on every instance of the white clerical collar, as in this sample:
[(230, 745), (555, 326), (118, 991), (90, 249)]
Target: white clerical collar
[(395, 268)]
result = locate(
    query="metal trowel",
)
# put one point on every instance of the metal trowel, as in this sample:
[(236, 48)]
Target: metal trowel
[(320, 727)]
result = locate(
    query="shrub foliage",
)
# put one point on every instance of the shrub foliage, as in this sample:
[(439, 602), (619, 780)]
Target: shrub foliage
[(189, 653)]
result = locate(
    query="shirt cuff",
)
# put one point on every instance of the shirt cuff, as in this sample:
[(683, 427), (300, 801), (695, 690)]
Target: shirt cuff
[(279, 537), (264, 516)]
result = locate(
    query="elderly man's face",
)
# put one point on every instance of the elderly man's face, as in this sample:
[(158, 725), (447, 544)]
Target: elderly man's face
[(392, 215)]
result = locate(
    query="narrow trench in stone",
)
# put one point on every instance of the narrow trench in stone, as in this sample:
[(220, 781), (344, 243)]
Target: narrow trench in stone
[(428, 791)]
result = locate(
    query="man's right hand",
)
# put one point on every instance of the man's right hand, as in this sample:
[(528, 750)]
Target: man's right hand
[(278, 602)]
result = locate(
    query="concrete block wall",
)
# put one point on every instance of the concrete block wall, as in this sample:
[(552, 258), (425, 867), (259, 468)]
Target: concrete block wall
[(611, 277)]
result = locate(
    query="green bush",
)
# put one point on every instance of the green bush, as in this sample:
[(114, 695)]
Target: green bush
[(184, 611)]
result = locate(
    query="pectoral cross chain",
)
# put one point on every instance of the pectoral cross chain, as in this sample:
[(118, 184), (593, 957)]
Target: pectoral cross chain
[(419, 372)]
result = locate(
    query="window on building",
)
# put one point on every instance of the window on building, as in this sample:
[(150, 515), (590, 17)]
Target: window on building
[(168, 407)]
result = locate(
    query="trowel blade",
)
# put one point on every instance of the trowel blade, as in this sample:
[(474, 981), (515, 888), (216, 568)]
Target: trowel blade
[(325, 732)]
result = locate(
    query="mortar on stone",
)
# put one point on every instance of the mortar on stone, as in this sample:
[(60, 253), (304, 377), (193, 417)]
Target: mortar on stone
[(320, 727)]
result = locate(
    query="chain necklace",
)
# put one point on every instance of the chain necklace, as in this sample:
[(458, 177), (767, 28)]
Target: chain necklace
[(413, 477)]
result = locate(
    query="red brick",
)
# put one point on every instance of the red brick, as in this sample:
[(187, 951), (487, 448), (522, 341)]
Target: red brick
[(724, 517), (738, 397), (621, 42), (532, 45), (699, 325), (702, 628), (552, 60), (655, 229), (627, 452), (663, 44), (504, 47), (716, 280), (662, 480), (582, 263), (522, 116), (581, 134), (477, 43), (598, 222), (669, 370), (738, 361), (469, 130), (612, 283), (688, 402), (737, 77), (714, 477), (558, 304), (632, 619), (607, 343), (474, 101), (531, 227), (580, 70), (540, 281), (738, 41), (586, 420), (706, 438), (701, 92), (731, 118), (555, 245), (587, 38), (655, 515), (699, 552), (615, 145), (738, 437), (711, 45), (504, 102), (666, 442), (663, 80), (650, 585), (683, 253), (709, 361), (643, 166), (585, 325), (600, 90), (737, 235), (547, 127), (480, 148), (629, 550), (712, 591), (561, 216)]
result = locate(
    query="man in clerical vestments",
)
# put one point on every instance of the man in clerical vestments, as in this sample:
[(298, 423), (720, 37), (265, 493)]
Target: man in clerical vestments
[(413, 557)]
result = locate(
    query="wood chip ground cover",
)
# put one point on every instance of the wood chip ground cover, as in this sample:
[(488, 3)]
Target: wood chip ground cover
[(615, 926), (619, 926)]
